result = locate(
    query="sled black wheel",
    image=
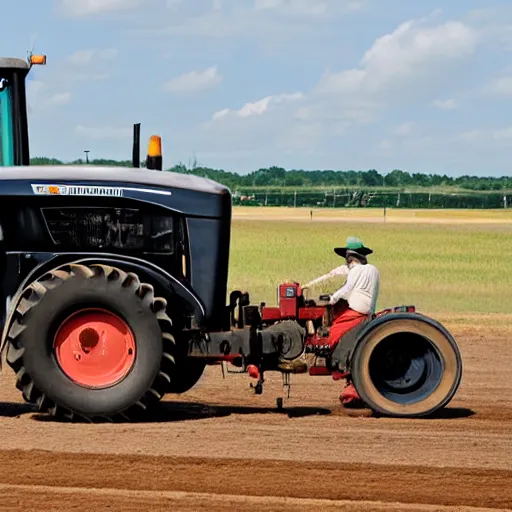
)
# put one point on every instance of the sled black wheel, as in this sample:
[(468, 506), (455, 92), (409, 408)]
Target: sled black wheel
[(406, 368), (91, 341)]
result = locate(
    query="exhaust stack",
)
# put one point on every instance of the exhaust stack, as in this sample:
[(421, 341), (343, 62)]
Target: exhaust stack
[(136, 146)]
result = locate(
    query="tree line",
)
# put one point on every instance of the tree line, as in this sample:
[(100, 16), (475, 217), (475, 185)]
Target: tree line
[(277, 177)]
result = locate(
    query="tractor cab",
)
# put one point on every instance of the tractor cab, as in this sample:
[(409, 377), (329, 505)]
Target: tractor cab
[(6, 138), (14, 144)]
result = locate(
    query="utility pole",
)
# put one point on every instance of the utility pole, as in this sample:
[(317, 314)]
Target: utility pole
[(87, 151)]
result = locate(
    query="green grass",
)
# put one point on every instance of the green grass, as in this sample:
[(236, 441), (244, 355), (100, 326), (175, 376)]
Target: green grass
[(442, 269)]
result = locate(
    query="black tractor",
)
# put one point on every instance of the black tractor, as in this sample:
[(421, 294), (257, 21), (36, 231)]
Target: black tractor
[(114, 282)]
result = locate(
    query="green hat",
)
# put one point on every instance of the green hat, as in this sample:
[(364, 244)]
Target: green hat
[(353, 244)]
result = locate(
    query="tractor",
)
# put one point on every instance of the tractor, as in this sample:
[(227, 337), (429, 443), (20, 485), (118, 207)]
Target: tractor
[(114, 282)]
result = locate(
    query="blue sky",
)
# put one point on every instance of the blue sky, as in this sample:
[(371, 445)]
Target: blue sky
[(423, 86)]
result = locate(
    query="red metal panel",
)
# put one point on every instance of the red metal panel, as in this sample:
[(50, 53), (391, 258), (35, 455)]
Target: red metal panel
[(312, 313), (270, 314), (288, 297)]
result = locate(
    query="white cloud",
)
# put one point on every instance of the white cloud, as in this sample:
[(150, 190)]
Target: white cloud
[(87, 77), (34, 88), (412, 52), (400, 66), (82, 8), (333, 112), (385, 144), (262, 20), (59, 98), (299, 137), (307, 7), (103, 132), (404, 129), (259, 107), (294, 6), (501, 86), (470, 136), (488, 138), (411, 63), (58, 86), (194, 81), (503, 134), (82, 57), (41, 97), (108, 54), (448, 104)]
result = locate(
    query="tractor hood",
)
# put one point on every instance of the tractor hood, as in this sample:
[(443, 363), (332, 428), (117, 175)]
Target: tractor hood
[(111, 175), (183, 193)]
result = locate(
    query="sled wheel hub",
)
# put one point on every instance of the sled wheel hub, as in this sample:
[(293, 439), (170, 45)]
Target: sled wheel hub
[(95, 348), (406, 368)]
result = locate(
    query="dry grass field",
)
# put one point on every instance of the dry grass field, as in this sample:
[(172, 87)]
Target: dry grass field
[(456, 265), (376, 215), (220, 448)]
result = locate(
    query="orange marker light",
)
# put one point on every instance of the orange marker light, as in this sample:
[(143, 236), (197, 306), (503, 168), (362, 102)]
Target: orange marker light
[(155, 146), (254, 373), (38, 60)]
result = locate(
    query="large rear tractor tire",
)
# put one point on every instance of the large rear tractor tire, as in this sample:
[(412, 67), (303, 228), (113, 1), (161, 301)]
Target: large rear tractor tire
[(406, 368), (187, 371), (187, 374), (93, 342)]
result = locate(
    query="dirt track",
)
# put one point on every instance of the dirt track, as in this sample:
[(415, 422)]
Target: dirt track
[(222, 448)]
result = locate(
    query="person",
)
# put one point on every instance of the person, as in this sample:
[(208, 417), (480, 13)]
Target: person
[(353, 303)]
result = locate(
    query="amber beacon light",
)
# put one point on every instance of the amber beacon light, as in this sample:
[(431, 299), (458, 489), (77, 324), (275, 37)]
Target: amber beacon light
[(38, 60), (154, 157)]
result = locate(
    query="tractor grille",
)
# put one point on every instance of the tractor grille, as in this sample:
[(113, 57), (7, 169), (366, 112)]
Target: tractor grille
[(109, 228)]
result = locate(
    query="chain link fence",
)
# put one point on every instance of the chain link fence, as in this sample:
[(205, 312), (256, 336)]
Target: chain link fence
[(367, 199)]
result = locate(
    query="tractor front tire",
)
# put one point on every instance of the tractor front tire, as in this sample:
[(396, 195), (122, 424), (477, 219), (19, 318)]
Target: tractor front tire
[(91, 342), (406, 368)]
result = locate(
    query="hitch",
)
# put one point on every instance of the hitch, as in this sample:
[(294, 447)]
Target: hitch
[(287, 384), (287, 387), (256, 373)]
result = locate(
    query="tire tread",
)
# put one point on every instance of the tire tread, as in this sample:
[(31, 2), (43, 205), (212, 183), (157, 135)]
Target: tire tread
[(129, 283)]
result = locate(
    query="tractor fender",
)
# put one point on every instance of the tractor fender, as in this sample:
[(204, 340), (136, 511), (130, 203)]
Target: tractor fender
[(190, 301), (344, 351)]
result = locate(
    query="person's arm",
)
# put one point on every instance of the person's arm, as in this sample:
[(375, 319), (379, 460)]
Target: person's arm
[(344, 291), (342, 270)]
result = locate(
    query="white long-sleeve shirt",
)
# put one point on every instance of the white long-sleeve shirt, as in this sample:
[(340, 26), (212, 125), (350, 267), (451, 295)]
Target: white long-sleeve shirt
[(360, 290), (342, 270)]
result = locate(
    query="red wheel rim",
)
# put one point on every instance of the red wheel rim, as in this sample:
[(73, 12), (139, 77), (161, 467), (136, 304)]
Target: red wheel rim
[(95, 348)]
